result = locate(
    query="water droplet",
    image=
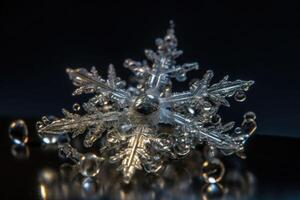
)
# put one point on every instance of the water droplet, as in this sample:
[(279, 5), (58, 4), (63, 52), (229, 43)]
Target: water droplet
[(89, 187), (240, 96), (18, 132), (238, 130), (245, 87), (181, 77), (182, 149), (250, 115), (89, 165), (206, 106), (213, 170), (20, 151), (212, 192), (39, 125), (45, 120), (249, 126), (76, 107)]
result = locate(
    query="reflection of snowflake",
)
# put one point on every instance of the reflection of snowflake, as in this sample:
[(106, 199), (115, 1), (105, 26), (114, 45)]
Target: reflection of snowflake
[(145, 124)]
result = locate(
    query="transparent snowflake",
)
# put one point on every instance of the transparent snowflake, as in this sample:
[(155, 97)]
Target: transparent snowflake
[(145, 124)]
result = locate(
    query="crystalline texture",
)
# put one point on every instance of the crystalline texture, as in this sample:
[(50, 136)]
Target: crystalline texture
[(132, 117)]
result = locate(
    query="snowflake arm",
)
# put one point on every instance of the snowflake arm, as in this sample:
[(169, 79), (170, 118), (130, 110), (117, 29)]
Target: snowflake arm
[(216, 136), (164, 63), (199, 91), (91, 82), (217, 92), (135, 155), (76, 124)]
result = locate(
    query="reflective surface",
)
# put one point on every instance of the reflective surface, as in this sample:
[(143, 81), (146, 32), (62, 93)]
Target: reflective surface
[(35, 172), (180, 180)]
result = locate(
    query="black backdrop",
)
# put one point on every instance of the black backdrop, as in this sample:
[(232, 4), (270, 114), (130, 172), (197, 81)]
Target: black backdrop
[(256, 40)]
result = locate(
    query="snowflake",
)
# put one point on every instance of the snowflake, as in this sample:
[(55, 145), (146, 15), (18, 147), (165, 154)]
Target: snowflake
[(145, 124)]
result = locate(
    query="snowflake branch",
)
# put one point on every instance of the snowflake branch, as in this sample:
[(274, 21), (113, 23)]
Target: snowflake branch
[(78, 124), (91, 82), (217, 92)]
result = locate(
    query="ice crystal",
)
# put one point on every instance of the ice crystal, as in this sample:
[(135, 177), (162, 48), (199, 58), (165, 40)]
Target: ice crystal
[(143, 125)]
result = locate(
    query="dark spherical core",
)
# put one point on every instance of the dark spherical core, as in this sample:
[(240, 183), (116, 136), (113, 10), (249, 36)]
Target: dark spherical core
[(146, 104)]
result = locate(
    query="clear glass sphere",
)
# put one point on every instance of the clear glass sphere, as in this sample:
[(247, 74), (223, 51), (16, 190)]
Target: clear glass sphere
[(76, 107), (89, 165), (18, 132), (240, 96), (213, 170), (212, 191), (89, 187), (250, 115)]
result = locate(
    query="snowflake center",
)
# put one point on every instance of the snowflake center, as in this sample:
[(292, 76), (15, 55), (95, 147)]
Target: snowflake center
[(146, 104)]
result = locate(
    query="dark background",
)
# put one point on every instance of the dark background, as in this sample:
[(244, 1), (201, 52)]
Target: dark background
[(256, 40)]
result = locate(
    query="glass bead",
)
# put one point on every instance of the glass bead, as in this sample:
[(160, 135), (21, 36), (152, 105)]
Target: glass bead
[(76, 107), (240, 96), (212, 191), (18, 132), (213, 170), (89, 165)]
